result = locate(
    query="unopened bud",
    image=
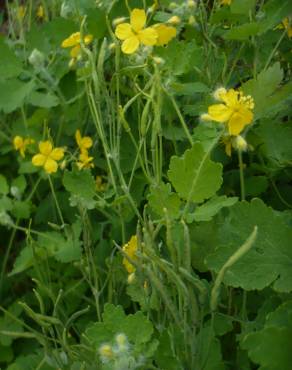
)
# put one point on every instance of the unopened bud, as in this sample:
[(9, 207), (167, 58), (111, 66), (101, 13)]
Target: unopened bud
[(72, 63), (106, 351), (122, 342), (112, 46), (175, 20), (218, 93), (36, 58), (192, 20), (158, 60), (172, 5), (240, 144), (206, 117), (119, 20), (192, 4), (131, 278)]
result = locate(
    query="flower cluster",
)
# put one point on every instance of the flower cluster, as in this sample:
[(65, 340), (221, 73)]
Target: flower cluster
[(84, 143), (135, 33)]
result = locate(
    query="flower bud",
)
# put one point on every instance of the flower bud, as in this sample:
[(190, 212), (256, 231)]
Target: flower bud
[(36, 58), (239, 143), (106, 352), (158, 60), (192, 20), (192, 4), (205, 117), (131, 278), (119, 20), (122, 342), (175, 20), (218, 93)]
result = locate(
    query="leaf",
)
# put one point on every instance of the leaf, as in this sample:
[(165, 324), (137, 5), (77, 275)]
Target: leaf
[(180, 56), (21, 209), (10, 65), (23, 261), (4, 188), (96, 21), (243, 32), (13, 93), (210, 357), (137, 327), (194, 176), (242, 6), (263, 87), (256, 185), (81, 185), (206, 134), (209, 209), (43, 100), (189, 88), (275, 142), (161, 197), (270, 259)]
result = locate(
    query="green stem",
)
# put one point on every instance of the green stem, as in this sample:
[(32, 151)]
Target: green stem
[(241, 175)]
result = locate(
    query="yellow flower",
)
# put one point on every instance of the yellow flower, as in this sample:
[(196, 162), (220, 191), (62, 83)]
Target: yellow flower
[(84, 160), (40, 12), (21, 11), (225, 2), (130, 250), (21, 144), (84, 142), (235, 111), (287, 25), (165, 34), (133, 34), (74, 42), (106, 351), (48, 157)]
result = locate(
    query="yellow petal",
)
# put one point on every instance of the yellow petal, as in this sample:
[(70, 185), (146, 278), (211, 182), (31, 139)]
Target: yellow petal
[(239, 120), (148, 36), (74, 52), (50, 166), (88, 39), (39, 160), (165, 34), (18, 142), (230, 97), (86, 142), (130, 45), (219, 112), (72, 40), (57, 154), (138, 19), (124, 31), (45, 147)]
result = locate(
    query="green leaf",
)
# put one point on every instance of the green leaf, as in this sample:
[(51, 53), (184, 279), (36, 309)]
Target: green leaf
[(81, 185), (194, 176), (23, 261), (270, 348), (21, 209), (209, 209), (96, 21), (4, 188), (243, 32), (10, 65), (161, 197), (210, 357), (242, 6), (189, 88), (180, 56), (137, 327), (13, 94), (275, 142), (263, 87), (43, 100), (270, 259), (255, 185)]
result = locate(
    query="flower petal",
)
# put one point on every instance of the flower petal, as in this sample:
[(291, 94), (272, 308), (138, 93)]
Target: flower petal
[(219, 112), (165, 34), (38, 160), (78, 137), (130, 45), (138, 19), (148, 36), (239, 120), (86, 142), (57, 154), (50, 166), (230, 98), (74, 52), (72, 40), (124, 31), (45, 147), (18, 142)]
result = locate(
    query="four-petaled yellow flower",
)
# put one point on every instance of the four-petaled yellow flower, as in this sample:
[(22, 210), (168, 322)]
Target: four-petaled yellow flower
[(133, 34), (21, 144), (48, 157), (84, 143), (165, 33), (130, 250), (74, 42), (235, 110)]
